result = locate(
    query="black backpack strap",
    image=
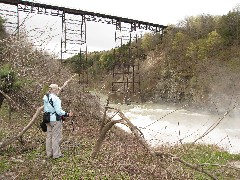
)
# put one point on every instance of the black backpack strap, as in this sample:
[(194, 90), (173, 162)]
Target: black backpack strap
[(50, 101)]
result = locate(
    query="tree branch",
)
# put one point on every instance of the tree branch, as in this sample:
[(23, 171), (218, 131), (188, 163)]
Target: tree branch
[(136, 132), (10, 101), (175, 158), (102, 136)]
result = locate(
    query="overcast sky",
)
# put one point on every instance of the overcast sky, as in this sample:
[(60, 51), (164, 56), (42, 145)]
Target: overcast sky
[(156, 11), (101, 36)]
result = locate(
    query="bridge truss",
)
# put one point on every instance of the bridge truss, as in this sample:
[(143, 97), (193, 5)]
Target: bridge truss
[(126, 75)]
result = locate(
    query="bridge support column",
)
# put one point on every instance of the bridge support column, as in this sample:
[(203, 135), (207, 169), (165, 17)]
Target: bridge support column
[(126, 72)]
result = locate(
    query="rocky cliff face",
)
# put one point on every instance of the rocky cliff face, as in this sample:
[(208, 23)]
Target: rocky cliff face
[(209, 84), (212, 84)]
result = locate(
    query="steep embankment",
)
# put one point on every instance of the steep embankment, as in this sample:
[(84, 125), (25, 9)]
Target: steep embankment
[(214, 83)]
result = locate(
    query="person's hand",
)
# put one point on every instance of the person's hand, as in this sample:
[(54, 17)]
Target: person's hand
[(70, 113)]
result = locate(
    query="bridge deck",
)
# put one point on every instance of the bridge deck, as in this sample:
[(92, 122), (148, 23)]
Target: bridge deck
[(81, 12)]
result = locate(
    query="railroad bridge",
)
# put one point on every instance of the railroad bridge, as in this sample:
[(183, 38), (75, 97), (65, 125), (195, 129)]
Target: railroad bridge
[(125, 75)]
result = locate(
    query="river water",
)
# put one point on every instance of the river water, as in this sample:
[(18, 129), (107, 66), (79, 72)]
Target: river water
[(165, 125), (170, 125)]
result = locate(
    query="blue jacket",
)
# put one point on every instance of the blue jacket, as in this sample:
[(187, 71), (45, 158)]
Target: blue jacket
[(57, 106)]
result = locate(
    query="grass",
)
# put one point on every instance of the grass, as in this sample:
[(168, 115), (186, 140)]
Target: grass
[(207, 154), (33, 165), (210, 158), (77, 163), (121, 157), (4, 165)]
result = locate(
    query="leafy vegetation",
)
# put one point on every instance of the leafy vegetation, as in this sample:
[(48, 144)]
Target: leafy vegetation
[(229, 27), (210, 157), (9, 82), (2, 28)]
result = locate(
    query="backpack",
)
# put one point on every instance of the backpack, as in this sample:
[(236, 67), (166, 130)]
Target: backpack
[(46, 117), (43, 126)]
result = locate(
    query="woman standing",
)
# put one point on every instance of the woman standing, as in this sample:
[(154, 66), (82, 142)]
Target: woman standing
[(52, 104)]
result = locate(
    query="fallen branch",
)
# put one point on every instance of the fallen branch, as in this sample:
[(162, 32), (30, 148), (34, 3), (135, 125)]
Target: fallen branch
[(108, 126), (220, 165), (11, 102), (102, 136), (141, 139), (175, 158), (11, 140), (136, 132), (39, 110)]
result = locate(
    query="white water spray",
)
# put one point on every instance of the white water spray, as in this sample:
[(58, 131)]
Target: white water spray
[(162, 125)]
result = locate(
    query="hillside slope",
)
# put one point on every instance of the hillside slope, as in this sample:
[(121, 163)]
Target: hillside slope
[(213, 82)]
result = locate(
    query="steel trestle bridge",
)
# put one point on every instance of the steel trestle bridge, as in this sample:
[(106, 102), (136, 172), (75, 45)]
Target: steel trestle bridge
[(126, 76)]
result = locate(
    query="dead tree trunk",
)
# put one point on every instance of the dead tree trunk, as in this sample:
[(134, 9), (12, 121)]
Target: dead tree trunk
[(138, 134), (102, 136), (108, 126), (104, 116), (1, 99), (11, 103)]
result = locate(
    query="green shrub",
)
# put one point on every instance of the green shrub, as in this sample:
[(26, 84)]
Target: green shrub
[(8, 79), (2, 29)]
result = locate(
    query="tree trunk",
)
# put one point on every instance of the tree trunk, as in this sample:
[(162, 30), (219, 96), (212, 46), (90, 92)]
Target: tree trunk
[(102, 136), (1, 99)]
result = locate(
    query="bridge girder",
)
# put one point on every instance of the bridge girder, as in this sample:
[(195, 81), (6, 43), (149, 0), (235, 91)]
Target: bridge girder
[(90, 16)]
